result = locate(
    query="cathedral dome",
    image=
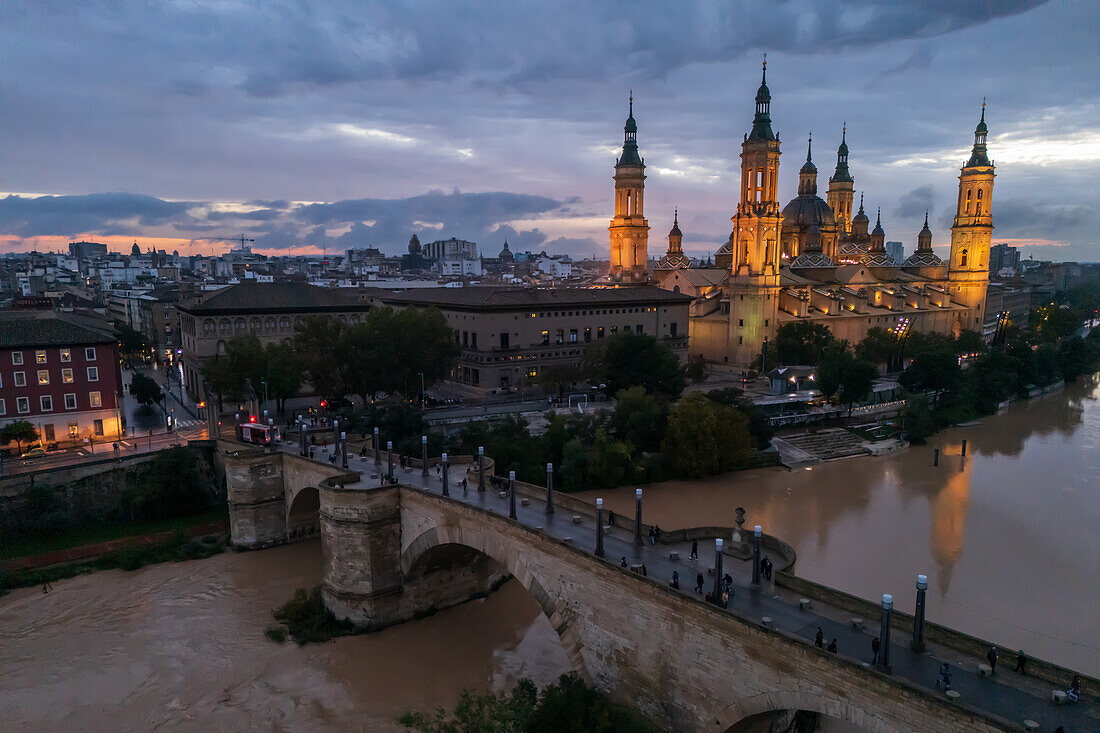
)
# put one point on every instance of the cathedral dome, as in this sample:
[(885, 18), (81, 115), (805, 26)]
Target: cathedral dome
[(414, 245), (805, 211), (506, 254)]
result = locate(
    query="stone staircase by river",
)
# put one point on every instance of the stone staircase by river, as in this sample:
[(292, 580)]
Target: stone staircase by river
[(828, 444)]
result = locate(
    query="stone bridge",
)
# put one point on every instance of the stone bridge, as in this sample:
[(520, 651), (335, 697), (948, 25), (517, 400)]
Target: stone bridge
[(397, 552)]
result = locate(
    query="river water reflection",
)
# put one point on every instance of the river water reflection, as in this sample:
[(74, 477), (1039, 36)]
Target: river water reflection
[(1008, 535)]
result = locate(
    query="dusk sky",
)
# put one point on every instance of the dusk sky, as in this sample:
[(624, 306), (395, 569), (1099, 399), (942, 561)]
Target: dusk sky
[(349, 124)]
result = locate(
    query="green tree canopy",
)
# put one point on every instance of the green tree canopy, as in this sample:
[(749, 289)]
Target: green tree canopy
[(878, 346), (704, 438), (639, 418), (633, 360), (19, 431), (799, 342), (145, 390)]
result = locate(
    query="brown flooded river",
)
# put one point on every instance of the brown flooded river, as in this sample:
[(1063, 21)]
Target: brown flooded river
[(181, 647), (1008, 537)]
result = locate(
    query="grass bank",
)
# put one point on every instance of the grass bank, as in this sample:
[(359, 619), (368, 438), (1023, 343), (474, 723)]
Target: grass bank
[(105, 532), (177, 548)]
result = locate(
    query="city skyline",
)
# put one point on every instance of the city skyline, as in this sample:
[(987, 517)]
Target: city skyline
[(176, 134)]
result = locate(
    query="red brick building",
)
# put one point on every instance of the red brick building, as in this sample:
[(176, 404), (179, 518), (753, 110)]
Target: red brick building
[(59, 374)]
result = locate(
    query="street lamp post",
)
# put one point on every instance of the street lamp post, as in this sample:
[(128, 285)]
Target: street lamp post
[(377, 449), (716, 594), (757, 531), (389, 460), (884, 633), (344, 449), (549, 488), (917, 644), (637, 517), (446, 486), (599, 528), (512, 495), (424, 456), (481, 468)]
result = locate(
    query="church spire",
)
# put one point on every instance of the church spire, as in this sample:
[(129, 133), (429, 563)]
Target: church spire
[(762, 122), (807, 176), (841, 174), (979, 156), (630, 138)]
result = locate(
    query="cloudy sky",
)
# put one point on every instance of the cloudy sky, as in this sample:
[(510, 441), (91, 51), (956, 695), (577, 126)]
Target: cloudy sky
[(335, 124)]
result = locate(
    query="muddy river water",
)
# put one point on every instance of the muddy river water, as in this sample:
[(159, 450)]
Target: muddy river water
[(1008, 536)]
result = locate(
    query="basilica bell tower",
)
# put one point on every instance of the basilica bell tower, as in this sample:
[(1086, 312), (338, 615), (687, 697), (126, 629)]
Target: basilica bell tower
[(754, 242), (629, 229), (972, 231)]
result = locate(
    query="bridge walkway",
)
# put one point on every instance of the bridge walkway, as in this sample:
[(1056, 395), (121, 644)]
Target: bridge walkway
[(1013, 700)]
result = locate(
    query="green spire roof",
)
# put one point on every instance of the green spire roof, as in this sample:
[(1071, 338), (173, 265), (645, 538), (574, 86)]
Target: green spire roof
[(841, 173), (630, 139), (979, 156), (762, 122)]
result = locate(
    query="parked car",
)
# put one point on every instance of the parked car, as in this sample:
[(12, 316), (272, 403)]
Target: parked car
[(34, 452)]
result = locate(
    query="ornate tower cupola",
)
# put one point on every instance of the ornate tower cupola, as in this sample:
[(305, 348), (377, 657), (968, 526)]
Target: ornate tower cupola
[(807, 176), (629, 230), (762, 122), (859, 223), (674, 258), (878, 236), (842, 187), (924, 238), (972, 230)]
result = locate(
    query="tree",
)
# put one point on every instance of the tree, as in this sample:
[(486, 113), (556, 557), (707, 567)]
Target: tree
[(1052, 323), (799, 342), (170, 486), (639, 418), (835, 359), (282, 374), (556, 378), (131, 344), (970, 342), (696, 369), (935, 369), (322, 353), (145, 390), (20, 431), (634, 360), (878, 346), (704, 438), (856, 383)]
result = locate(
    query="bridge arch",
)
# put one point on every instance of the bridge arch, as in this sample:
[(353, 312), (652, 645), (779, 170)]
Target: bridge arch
[(508, 557), (833, 707), (303, 517)]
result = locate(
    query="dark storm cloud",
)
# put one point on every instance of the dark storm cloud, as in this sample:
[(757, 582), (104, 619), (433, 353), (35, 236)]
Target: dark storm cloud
[(99, 212), (1063, 222), (915, 203)]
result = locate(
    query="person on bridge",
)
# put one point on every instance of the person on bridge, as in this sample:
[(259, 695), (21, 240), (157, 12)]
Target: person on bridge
[(991, 655), (945, 677), (652, 536), (832, 646), (819, 638), (695, 549), (874, 650), (1021, 663), (644, 571), (610, 518), (698, 582), (675, 582), (622, 562), (1073, 694)]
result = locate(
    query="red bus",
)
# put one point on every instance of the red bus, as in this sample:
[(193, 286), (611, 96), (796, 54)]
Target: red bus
[(257, 434)]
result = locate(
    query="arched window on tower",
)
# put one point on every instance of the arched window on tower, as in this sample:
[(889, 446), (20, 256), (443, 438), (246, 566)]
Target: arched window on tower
[(968, 193), (962, 259), (979, 210)]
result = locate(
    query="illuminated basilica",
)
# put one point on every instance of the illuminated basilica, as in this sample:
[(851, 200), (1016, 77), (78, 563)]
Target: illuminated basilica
[(812, 259)]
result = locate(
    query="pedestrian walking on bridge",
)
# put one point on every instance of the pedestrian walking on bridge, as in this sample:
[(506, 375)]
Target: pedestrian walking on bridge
[(698, 582), (991, 655), (875, 644), (819, 638), (695, 549)]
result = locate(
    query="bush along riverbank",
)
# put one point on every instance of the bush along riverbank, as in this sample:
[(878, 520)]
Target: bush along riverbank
[(305, 619), (176, 549), (567, 706)]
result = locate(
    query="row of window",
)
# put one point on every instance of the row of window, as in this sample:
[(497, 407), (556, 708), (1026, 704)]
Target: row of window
[(45, 403), (574, 334), (64, 354), (20, 378), (49, 435), (591, 312)]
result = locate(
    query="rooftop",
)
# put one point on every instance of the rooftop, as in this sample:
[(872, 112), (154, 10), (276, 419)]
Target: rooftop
[(46, 328), (510, 297), (271, 297)]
